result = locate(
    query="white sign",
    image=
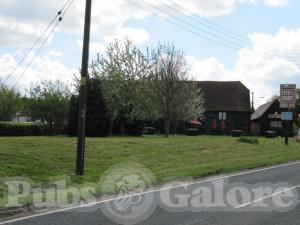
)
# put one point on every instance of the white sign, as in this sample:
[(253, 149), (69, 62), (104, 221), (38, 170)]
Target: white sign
[(287, 96)]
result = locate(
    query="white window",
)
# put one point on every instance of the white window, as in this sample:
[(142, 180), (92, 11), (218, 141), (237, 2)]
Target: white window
[(222, 116), (276, 124)]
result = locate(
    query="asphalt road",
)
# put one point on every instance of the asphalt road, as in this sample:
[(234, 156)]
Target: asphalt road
[(243, 213)]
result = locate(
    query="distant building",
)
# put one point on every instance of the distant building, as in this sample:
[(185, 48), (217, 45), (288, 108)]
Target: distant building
[(19, 118), (227, 105), (268, 118)]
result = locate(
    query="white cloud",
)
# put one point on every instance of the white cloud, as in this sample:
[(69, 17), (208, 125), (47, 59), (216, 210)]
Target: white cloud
[(199, 7), (207, 69), (95, 47), (272, 3), (14, 32), (21, 21), (211, 7), (138, 36), (43, 68), (276, 3), (261, 73), (54, 53)]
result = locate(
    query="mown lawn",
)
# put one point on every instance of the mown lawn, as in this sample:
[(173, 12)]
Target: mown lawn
[(40, 158)]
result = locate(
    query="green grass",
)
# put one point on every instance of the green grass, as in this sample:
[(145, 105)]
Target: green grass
[(249, 140), (40, 158)]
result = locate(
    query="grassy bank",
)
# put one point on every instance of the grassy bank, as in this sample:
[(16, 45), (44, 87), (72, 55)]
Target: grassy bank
[(40, 158)]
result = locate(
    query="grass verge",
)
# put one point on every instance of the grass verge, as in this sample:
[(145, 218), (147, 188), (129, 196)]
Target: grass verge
[(42, 158)]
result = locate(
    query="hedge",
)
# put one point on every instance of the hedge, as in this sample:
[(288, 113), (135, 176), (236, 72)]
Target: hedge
[(31, 129)]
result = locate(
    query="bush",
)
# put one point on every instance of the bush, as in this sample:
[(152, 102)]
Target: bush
[(97, 119), (28, 129), (14, 129), (249, 140)]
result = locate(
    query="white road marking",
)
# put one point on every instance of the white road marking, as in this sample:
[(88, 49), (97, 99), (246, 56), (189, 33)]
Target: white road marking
[(147, 192), (266, 197)]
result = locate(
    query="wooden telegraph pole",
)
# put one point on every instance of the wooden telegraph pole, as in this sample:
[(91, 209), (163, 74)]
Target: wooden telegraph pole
[(83, 90)]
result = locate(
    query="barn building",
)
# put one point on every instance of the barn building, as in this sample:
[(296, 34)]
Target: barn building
[(227, 106)]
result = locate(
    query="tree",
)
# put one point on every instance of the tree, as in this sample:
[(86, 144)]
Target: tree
[(72, 126), (10, 103), (49, 101), (97, 121), (175, 96), (123, 71)]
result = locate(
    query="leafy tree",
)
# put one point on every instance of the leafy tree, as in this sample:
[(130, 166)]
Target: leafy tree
[(123, 71), (97, 121), (49, 101), (175, 97), (10, 103), (73, 116)]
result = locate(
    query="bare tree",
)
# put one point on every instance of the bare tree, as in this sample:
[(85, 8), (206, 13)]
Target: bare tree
[(175, 96)]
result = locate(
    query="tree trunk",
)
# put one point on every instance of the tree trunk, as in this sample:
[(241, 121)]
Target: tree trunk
[(167, 127), (111, 127), (122, 127)]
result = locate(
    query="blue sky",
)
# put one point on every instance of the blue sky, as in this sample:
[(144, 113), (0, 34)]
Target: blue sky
[(269, 23)]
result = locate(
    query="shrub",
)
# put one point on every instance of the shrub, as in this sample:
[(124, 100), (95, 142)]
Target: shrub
[(22, 129), (249, 140), (97, 119), (28, 129)]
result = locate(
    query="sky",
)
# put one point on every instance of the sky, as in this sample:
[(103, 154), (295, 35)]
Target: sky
[(256, 42)]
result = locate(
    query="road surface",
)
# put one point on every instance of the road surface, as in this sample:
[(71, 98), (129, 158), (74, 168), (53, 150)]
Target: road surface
[(242, 214)]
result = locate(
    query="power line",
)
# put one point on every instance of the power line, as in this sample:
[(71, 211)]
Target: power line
[(44, 42), (38, 51), (66, 5), (215, 35), (217, 28), (38, 40), (67, 8), (221, 41), (183, 27), (192, 25)]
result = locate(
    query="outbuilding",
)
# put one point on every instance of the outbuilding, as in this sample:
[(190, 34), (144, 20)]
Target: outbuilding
[(268, 118)]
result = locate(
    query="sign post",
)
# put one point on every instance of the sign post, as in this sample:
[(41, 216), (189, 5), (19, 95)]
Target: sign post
[(288, 102), (287, 117)]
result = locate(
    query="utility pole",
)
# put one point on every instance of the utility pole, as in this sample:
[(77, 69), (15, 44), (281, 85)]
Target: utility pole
[(286, 142), (83, 90), (253, 102)]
